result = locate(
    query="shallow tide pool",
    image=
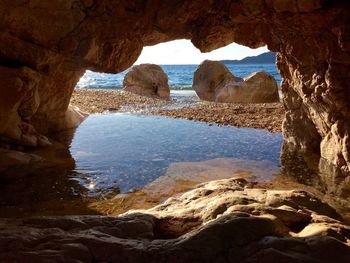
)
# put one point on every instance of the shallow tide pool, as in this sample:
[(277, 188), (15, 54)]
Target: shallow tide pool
[(129, 151), (116, 162)]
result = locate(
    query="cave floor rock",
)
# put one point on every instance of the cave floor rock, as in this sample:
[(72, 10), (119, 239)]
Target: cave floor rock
[(219, 221)]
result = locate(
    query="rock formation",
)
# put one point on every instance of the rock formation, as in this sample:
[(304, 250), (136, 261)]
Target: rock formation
[(214, 82), (147, 80), (221, 221), (46, 46), (211, 76)]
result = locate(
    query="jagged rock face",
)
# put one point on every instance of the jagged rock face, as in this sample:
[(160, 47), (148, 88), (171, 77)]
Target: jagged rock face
[(45, 46), (220, 221), (147, 80), (214, 82)]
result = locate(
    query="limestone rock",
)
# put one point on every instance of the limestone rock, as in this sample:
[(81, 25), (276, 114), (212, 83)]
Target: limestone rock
[(147, 80), (214, 82), (220, 221)]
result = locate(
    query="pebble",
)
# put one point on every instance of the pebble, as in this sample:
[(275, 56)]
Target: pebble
[(267, 116)]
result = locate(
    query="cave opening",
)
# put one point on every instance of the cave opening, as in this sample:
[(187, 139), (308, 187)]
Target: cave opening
[(130, 151), (304, 208), (105, 160)]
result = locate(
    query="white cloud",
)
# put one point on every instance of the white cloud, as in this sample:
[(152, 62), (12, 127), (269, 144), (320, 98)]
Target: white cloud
[(183, 52)]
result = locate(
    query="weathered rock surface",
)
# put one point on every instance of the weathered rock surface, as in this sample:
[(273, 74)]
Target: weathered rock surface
[(11, 158), (46, 46), (147, 80), (220, 221), (259, 87), (214, 82), (74, 116), (209, 77)]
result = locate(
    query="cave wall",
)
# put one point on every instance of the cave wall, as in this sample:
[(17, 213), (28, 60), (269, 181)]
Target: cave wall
[(45, 46)]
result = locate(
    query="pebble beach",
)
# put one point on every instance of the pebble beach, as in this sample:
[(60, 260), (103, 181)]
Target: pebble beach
[(267, 116)]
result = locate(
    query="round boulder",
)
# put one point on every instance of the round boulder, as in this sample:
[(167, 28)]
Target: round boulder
[(214, 82), (258, 87), (209, 77), (147, 80)]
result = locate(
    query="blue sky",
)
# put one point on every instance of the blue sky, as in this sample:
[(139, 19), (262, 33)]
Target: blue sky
[(183, 52)]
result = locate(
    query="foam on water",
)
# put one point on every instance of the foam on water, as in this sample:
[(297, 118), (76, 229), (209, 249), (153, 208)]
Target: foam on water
[(180, 76)]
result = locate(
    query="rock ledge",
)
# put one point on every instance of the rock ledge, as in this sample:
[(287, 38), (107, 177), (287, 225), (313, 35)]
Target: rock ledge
[(220, 221)]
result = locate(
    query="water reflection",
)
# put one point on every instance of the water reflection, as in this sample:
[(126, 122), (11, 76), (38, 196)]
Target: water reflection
[(311, 173), (43, 188), (131, 151), (183, 176)]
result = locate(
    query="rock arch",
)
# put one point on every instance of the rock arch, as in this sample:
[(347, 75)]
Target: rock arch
[(45, 46)]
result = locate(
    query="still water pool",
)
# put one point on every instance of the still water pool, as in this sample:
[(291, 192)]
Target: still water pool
[(116, 162), (129, 151)]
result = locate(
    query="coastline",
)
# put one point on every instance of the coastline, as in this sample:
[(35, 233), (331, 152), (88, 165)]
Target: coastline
[(268, 116)]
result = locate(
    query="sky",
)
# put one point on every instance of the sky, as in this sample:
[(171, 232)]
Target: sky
[(183, 52)]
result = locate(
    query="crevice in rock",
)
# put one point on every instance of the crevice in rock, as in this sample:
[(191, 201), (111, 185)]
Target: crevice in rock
[(10, 63), (172, 227), (296, 227)]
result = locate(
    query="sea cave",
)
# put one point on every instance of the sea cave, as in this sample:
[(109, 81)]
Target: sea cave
[(300, 146)]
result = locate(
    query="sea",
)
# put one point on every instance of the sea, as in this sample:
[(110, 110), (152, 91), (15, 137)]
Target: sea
[(180, 76)]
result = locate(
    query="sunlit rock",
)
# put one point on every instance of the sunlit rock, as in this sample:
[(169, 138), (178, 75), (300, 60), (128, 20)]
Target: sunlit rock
[(259, 87), (220, 221), (210, 77), (184, 176), (147, 80), (74, 116), (214, 82)]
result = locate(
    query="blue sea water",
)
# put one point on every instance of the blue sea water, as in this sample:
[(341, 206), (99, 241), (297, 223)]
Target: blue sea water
[(180, 76)]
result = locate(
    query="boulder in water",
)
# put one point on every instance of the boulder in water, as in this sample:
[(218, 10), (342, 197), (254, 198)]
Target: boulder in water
[(147, 80)]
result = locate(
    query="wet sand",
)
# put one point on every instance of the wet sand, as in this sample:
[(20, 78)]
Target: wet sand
[(267, 116)]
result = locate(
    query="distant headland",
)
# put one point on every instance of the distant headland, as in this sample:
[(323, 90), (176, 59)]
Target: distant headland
[(264, 58)]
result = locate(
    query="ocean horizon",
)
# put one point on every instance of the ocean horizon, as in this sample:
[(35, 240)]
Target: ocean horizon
[(180, 76)]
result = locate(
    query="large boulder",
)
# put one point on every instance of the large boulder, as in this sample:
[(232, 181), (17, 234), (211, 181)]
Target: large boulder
[(211, 76), (258, 87), (147, 80), (214, 82)]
